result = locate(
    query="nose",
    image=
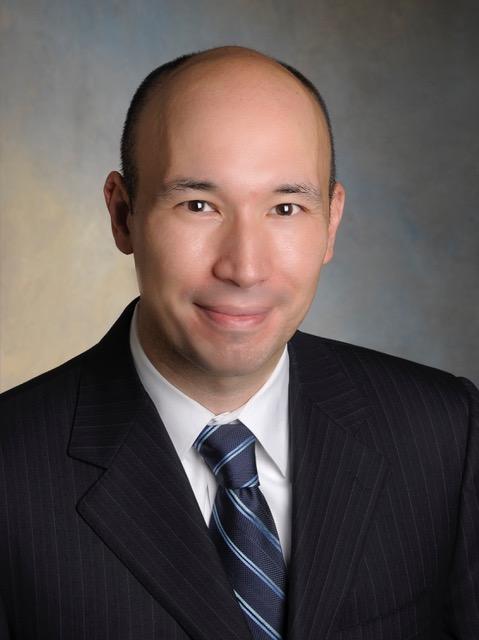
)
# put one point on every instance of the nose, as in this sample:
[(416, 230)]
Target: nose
[(243, 253)]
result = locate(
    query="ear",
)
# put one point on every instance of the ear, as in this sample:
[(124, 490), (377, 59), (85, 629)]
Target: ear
[(335, 214), (118, 204)]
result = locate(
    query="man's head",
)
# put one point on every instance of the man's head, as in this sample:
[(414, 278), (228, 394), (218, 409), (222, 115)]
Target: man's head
[(227, 208)]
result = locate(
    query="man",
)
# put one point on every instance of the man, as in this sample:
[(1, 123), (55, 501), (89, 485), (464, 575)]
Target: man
[(206, 471)]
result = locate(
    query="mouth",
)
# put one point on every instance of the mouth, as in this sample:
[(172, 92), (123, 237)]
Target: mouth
[(233, 317)]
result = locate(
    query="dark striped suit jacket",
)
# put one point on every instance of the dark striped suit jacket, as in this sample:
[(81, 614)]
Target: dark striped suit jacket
[(101, 536)]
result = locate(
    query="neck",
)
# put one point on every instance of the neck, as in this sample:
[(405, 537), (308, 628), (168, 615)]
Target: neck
[(217, 394), (215, 391)]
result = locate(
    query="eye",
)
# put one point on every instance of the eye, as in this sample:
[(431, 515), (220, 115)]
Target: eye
[(198, 206), (287, 209)]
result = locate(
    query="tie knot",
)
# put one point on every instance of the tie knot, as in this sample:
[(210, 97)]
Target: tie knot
[(228, 450)]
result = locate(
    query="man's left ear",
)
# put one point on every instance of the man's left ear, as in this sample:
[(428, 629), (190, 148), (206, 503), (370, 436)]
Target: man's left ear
[(335, 214), (119, 206)]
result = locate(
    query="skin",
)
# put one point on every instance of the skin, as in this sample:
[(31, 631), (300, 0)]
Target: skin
[(227, 262)]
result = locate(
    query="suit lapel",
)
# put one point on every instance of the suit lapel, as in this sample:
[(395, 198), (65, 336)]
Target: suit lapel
[(336, 480), (144, 510), (142, 506)]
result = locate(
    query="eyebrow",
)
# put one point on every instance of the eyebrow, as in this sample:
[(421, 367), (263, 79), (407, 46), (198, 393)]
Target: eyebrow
[(305, 189), (190, 184), (185, 184)]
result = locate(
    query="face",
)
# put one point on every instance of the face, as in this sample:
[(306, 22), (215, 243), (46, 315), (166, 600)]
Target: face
[(231, 223)]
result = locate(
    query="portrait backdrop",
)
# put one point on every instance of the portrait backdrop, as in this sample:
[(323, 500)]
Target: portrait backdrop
[(401, 82)]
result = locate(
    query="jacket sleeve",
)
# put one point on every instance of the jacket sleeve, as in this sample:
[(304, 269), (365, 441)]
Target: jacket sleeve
[(461, 610), (4, 634)]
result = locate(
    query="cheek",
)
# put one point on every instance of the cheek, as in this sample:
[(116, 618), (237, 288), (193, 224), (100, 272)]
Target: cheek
[(300, 254), (168, 256)]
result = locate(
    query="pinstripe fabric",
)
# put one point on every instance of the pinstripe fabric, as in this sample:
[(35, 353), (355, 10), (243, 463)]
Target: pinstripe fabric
[(101, 536), (243, 528)]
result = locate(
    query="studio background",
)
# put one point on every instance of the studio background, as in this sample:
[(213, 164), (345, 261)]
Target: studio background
[(401, 82)]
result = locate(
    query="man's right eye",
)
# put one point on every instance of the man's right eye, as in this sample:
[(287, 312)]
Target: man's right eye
[(198, 206)]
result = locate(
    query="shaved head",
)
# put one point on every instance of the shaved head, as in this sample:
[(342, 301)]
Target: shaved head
[(228, 64)]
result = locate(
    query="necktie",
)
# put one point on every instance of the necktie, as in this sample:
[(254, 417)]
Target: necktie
[(243, 528)]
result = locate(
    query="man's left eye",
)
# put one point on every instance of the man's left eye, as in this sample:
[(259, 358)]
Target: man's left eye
[(286, 209)]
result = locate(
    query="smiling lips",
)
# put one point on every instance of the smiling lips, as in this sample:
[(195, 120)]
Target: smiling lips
[(234, 317)]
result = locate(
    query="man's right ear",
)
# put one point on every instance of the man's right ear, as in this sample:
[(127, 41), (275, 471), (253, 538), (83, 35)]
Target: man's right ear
[(118, 204)]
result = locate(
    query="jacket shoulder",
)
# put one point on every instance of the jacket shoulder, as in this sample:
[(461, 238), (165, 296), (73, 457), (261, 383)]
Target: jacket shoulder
[(406, 406), (55, 393), (50, 390), (383, 373)]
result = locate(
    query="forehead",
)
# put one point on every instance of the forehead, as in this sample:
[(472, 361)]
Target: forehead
[(242, 110)]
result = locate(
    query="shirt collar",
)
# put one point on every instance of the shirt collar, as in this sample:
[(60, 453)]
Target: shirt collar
[(265, 414)]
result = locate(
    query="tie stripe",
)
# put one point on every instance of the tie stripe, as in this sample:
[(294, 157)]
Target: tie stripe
[(206, 432), (252, 517), (236, 451), (247, 562), (250, 483), (254, 615), (243, 528)]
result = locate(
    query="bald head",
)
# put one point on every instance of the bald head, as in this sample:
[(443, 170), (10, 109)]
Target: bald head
[(238, 74), (231, 219)]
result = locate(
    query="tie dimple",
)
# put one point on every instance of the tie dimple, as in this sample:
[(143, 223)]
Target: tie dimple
[(243, 528), (229, 451)]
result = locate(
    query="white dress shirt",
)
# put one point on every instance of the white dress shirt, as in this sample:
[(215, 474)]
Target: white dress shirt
[(266, 416)]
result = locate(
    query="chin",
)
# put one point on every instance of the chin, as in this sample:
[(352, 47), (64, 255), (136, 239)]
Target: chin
[(239, 361)]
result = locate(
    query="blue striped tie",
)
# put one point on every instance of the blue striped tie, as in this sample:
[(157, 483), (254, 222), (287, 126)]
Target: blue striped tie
[(243, 528)]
